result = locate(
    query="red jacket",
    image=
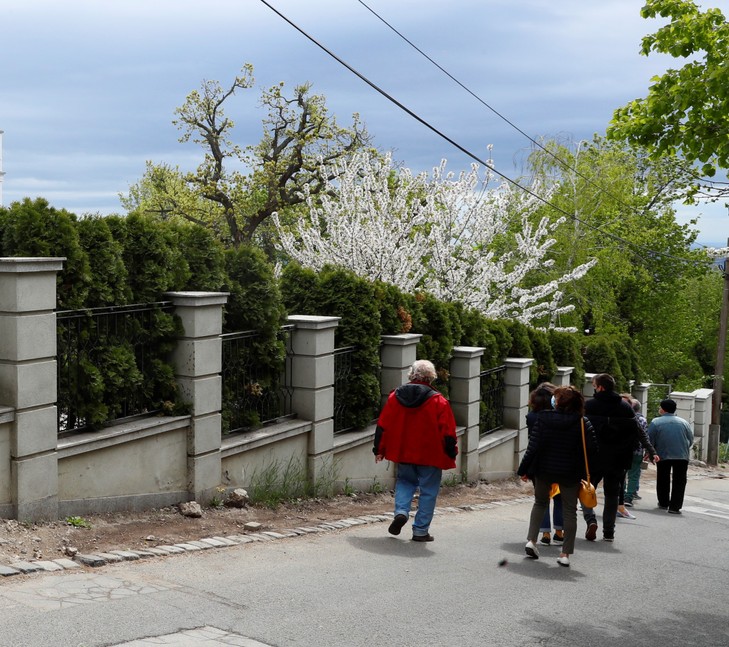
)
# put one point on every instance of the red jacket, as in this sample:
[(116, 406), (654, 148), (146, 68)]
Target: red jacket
[(417, 426)]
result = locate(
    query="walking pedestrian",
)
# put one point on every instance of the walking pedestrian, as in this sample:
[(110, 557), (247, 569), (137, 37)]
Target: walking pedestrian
[(555, 455), (417, 431), (617, 436), (632, 483), (673, 438), (540, 399)]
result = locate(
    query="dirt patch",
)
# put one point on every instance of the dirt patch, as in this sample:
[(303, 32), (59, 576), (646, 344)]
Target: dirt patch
[(121, 531), (51, 540)]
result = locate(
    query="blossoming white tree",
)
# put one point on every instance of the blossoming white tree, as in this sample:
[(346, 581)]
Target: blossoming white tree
[(450, 236)]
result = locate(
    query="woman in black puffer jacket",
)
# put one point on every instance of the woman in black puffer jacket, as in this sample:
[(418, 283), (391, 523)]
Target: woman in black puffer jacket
[(554, 455)]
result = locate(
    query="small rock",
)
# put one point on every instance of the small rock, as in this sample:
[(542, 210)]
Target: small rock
[(70, 551), (191, 509), (150, 538), (252, 526), (36, 539), (238, 498)]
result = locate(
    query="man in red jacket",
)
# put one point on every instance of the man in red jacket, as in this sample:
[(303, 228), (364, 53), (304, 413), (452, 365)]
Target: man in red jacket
[(416, 430)]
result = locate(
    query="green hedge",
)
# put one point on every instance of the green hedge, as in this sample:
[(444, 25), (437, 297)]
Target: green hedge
[(134, 259)]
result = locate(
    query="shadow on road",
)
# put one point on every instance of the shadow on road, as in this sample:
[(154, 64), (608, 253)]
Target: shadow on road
[(387, 545)]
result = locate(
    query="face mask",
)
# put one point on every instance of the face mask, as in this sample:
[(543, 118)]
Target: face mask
[(553, 402)]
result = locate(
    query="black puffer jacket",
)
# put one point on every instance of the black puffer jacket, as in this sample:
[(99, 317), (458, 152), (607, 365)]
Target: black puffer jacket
[(555, 447), (616, 428)]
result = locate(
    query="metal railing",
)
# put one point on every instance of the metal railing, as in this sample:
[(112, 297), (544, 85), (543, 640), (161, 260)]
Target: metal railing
[(255, 395), (491, 412), (342, 373), (92, 342)]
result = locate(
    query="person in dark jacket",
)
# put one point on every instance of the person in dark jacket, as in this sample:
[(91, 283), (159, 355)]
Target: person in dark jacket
[(540, 399), (416, 429), (618, 433), (555, 455)]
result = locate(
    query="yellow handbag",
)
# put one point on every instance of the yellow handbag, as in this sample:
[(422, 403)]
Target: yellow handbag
[(586, 494)]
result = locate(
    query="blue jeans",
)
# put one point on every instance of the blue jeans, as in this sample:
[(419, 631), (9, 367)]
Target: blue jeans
[(409, 478), (557, 515)]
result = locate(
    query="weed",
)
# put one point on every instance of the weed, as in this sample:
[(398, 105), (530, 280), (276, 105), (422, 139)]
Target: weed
[(723, 453), (348, 488), (218, 499), (377, 487), (78, 522), (279, 482)]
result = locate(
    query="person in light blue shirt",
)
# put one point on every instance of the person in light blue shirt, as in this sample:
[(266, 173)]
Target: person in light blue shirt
[(672, 437)]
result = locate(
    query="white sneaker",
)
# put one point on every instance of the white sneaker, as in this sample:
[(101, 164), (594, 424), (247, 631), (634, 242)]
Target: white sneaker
[(563, 561), (531, 550)]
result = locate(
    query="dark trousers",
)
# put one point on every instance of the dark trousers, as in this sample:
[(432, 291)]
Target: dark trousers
[(611, 484), (671, 482)]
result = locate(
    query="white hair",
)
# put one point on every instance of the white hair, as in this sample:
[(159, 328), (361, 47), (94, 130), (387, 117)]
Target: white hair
[(422, 370)]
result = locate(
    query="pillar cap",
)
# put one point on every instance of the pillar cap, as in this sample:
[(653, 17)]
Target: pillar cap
[(16, 265)]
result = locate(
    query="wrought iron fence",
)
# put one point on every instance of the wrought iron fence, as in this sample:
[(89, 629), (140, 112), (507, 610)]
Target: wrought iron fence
[(253, 394), (342, 374), (106, 357), (491, 413)]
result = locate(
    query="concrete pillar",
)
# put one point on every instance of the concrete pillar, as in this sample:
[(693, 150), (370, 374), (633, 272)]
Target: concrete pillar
[(397, 354), (516, 401), (313, 384), (703, 399), (28, 381), (640, 393), (198, 359), (465, 398), (587, 389), (563, 375)]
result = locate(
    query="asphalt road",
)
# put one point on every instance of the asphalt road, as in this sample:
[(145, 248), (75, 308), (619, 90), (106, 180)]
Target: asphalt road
[(663, 582)]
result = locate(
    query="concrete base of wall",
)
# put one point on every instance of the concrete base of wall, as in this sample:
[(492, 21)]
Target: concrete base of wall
[(132, 503)]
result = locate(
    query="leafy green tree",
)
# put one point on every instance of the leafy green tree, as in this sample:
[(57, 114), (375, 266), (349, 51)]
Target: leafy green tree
[(622, 208), (300, 146), (152, 256), (109, 284), (34, 228), (686, 111)]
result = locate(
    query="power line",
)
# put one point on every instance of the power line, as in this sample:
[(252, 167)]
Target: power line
[(563, 163), (634, 246)]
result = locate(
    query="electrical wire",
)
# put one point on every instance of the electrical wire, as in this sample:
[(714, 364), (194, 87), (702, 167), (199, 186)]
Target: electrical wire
[(566, 165), (464, 150)]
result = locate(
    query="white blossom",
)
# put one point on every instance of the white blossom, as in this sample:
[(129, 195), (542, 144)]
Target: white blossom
[(450, 236)]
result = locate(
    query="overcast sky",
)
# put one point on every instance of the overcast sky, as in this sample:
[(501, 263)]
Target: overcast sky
[(88, 89)]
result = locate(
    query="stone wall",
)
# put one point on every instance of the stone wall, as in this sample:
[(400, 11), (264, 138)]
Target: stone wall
[(160, 461)]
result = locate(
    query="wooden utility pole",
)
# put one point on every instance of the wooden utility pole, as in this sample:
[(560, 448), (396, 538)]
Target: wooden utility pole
[(715, 427)]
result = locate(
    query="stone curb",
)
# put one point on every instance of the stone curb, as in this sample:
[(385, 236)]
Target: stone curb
[(95, 560)]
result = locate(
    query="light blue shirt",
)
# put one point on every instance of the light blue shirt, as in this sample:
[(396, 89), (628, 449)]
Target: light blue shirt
[(671, 436)]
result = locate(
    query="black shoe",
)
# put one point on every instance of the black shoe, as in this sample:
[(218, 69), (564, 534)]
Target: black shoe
[(628, 503), (663, 507), (426, 537), (591, 532), (608, 536), (397, 523), (637, 497), (673, 511), (546, 539)]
